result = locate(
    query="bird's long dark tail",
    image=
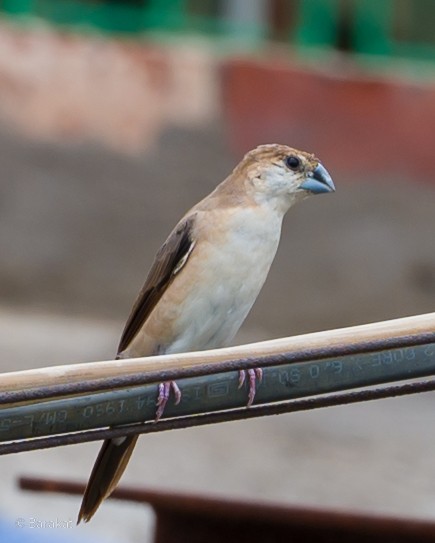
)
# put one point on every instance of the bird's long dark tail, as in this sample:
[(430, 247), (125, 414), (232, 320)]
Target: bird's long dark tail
[(108, 468)]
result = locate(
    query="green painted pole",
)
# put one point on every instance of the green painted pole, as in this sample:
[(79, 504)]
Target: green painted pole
[(216, 392)]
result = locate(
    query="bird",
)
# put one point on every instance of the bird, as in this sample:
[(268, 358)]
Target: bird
[(206, 277)]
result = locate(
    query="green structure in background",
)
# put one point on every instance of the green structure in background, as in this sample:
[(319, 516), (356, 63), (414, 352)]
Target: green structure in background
[(361, 26), (141, 16), (118, 16), (402, 28)]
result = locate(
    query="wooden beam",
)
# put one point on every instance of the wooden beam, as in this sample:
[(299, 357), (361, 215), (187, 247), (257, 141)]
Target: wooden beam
[(346, 337)]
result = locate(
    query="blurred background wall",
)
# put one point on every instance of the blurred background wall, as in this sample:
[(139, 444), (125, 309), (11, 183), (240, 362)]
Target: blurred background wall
[(116, 117)]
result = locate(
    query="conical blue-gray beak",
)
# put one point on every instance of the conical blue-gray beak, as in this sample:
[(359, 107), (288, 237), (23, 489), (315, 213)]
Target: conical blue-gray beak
[(318, 181)]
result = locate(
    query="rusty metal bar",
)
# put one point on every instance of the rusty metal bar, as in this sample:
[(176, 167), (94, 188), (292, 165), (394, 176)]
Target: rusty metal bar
[(185, 517)]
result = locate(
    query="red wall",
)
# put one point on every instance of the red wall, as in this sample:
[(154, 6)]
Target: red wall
[(362, 123)]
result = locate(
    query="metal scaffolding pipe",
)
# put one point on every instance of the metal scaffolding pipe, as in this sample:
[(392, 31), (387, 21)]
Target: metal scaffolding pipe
[(318, 402), (81, 410)]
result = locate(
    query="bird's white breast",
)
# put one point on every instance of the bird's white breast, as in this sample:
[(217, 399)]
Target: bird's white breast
[(211, 295), (230, 272)]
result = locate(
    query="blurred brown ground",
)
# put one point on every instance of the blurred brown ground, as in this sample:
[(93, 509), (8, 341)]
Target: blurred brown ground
[(79, 225)]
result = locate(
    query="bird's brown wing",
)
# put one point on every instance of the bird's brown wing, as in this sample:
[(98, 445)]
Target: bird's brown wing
[(115, 453), (170, 259)]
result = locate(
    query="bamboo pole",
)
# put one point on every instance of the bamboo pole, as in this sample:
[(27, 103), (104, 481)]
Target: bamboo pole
[(358, 337)]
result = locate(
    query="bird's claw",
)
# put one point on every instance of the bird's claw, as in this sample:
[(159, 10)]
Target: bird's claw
[(254, 374), (163, 397)]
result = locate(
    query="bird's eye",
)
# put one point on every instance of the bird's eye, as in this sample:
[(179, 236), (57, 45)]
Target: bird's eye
[(292, 162)]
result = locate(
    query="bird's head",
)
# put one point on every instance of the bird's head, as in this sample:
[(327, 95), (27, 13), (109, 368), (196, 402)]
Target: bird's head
[(281, 176)]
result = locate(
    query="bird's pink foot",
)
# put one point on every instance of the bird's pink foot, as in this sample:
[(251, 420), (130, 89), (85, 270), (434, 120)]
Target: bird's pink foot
[(163, 397), (253, 375)]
